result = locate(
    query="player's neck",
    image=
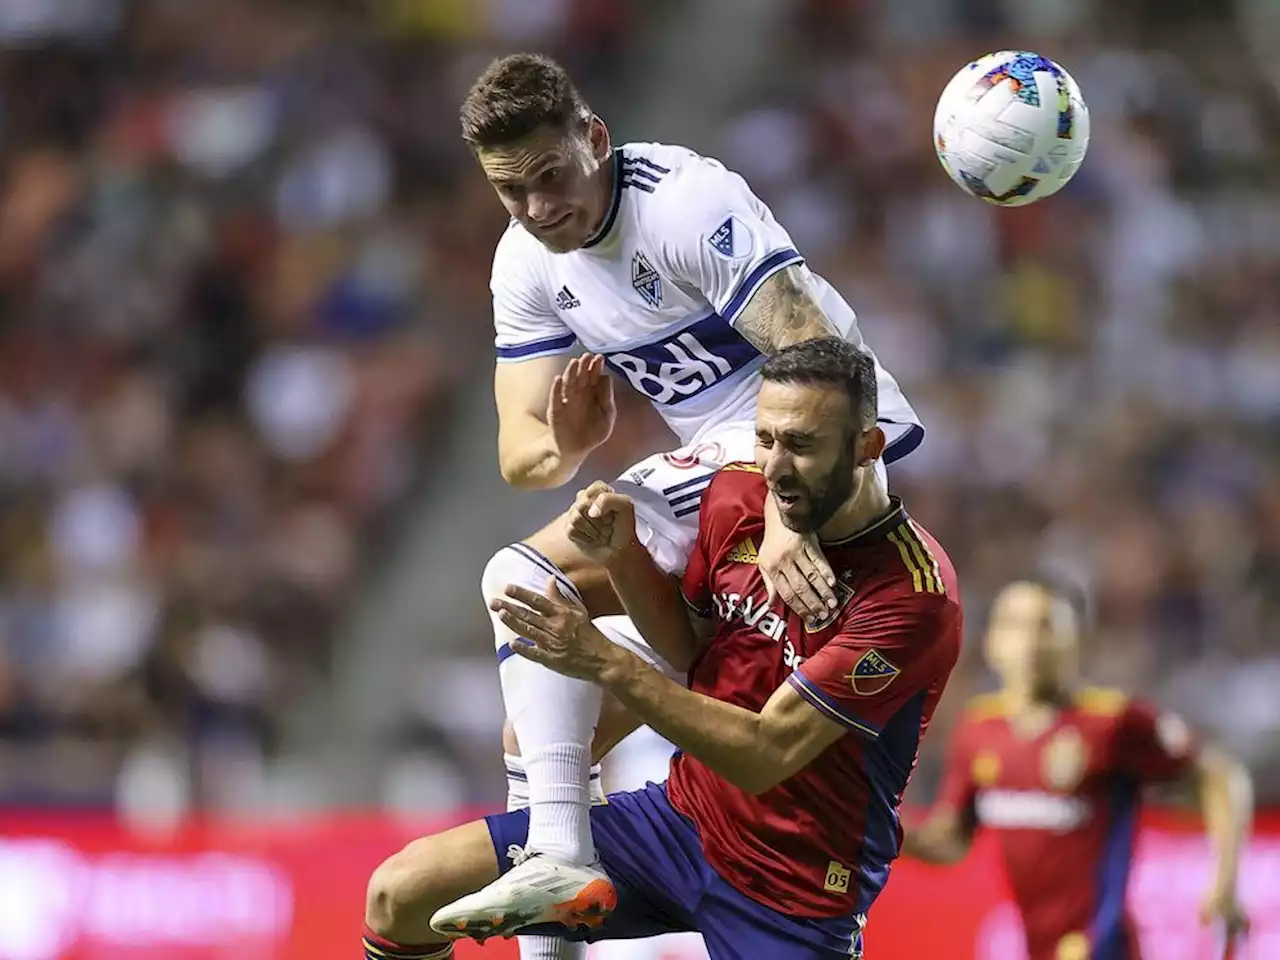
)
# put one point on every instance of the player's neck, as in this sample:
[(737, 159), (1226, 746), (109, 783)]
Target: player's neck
[(868, 507), (604, 188), (1033, 704)]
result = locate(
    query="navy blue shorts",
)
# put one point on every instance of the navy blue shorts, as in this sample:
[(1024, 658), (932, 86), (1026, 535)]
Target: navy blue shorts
[(665, 885)]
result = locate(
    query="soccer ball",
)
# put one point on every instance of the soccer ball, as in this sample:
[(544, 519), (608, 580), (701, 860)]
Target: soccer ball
[(1011, 128)]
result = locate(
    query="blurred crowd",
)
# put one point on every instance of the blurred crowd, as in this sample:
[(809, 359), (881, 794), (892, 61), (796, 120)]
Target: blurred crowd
[(1099, 373), (235, 255), (243, 285)]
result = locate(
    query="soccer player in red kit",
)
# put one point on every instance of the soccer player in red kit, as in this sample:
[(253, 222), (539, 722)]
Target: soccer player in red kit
[(1057, 771), (775, 831)]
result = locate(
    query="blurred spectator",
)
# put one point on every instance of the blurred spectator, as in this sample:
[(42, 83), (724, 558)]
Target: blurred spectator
[(244, 267), (226, 285)]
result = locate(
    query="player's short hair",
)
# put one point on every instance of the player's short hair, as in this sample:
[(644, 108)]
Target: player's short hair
[(516, 95), (832, 362)]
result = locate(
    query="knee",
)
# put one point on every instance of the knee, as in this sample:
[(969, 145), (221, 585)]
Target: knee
[(517, 562), (533, 560), (402, 893)]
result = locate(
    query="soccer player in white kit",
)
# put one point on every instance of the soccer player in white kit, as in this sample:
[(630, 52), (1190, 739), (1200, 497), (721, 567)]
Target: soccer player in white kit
[(676, 278)]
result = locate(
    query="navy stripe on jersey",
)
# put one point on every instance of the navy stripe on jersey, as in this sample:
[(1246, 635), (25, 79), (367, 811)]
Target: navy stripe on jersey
[(546, 347), (640, 172), (668, 491), (1108, 935), (688, 508), (828, 707), (888, 763), (751, 283), (692, 494), (615, 202), (646, 162), (904, 445), (680, 365)]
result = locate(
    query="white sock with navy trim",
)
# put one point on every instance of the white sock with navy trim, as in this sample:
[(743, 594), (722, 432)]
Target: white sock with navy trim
[(540, 947), (554, 717)]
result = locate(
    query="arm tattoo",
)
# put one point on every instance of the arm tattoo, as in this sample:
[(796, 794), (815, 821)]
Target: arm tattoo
[(782, 312)]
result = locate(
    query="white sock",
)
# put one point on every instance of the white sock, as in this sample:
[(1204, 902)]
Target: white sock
[(541, 947), (554, 717), (518, 784)]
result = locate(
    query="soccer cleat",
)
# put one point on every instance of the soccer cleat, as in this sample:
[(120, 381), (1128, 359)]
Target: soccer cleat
[(538, 889)]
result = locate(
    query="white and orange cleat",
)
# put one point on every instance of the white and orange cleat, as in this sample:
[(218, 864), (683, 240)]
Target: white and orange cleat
[(538, 889)]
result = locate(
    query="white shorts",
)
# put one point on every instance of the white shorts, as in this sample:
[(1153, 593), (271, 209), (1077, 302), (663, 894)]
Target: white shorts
[(667, 490)]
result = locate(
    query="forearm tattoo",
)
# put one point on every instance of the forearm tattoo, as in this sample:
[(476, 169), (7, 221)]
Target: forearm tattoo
[(782, 312)]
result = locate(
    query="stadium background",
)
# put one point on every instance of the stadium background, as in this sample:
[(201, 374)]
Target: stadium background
[(247, 466)]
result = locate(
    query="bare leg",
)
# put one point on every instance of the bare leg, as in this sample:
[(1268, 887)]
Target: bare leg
[(411, 885)]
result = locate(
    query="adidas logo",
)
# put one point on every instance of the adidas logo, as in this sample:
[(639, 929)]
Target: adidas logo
[(744, 552), (565, 299)]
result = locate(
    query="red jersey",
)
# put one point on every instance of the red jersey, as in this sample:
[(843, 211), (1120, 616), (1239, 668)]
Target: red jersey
[(820, 843), (1064, 804)]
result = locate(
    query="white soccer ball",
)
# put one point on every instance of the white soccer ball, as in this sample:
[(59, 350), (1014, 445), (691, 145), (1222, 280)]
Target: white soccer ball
[(1011, 128)]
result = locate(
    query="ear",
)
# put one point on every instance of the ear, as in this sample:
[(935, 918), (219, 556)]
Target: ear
[(871, 445), (598, 134)]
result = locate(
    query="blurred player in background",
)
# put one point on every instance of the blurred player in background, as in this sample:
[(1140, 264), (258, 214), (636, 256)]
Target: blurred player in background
[(1057, 771), (774, 834), (679, 280)]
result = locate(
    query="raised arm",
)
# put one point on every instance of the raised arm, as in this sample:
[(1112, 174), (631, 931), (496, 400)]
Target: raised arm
[(783, 311), (550, 417)]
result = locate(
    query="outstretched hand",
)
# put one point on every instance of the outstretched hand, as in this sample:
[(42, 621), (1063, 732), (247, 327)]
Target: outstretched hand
[(795, 569), (581, 410), (555, 632)]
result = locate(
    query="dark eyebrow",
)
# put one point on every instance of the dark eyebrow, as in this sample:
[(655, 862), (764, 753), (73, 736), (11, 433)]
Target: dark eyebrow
[(789, 436), (537, 171)]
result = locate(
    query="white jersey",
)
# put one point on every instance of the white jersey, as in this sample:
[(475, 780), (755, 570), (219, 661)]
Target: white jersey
[(658, 289)]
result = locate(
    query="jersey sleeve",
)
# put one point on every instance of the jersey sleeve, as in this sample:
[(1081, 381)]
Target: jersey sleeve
[(525, 324), (885, 654), (1153, 747), (720, 238)]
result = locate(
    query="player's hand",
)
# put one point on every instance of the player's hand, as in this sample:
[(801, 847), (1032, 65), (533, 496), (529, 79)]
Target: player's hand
[(554, 631), (1221, 906), (601, 522), (794, 568), (581, 410)]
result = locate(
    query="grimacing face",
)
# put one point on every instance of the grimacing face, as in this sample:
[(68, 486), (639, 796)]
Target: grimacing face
[(808, 450), (549, 182), (1033, 639)]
